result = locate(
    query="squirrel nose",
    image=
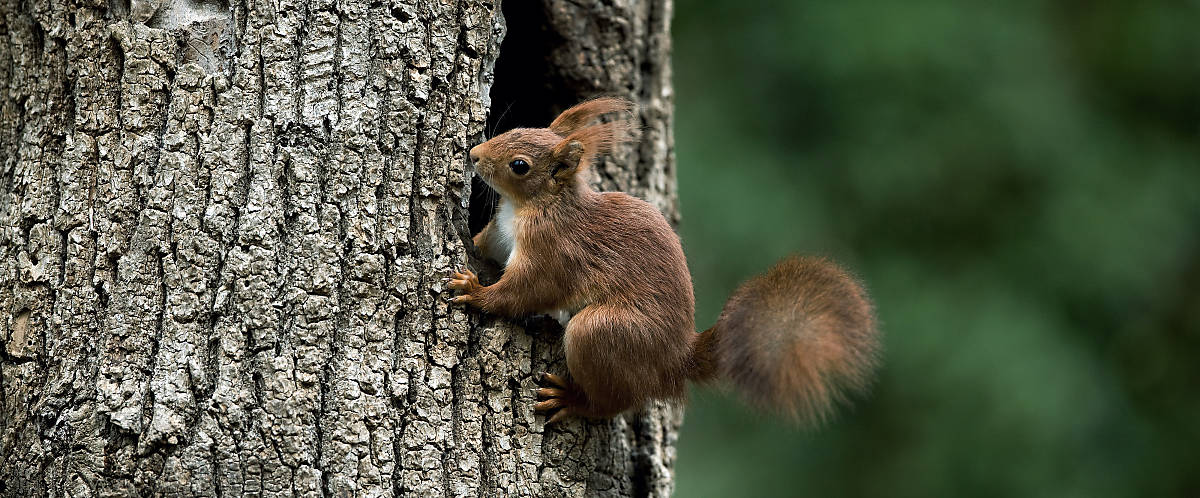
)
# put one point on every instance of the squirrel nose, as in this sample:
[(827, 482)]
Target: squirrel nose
[(474, 154)]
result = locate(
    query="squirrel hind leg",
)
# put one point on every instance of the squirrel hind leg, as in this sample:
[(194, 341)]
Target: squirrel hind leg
[(618, 363)]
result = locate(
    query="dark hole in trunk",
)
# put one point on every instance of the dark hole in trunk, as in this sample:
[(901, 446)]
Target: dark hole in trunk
[(529, 90)]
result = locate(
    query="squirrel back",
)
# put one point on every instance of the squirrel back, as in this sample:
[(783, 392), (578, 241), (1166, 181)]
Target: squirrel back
[(796, 340)]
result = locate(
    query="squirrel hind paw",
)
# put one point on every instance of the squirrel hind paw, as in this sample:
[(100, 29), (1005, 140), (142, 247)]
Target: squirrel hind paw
[(560, 400)]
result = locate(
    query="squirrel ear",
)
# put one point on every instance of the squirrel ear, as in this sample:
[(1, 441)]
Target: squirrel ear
[(567, 156)]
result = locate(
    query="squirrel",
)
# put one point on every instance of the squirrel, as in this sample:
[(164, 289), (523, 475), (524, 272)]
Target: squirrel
[(796, 340)]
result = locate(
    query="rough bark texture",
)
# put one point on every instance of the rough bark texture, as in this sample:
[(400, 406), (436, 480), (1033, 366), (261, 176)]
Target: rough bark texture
[(223, 229)]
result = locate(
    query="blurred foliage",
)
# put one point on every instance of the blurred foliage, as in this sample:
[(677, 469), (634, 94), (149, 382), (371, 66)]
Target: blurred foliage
[(1018, 184)]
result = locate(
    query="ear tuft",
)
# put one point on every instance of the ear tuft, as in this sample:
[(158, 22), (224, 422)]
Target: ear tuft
[(583, 140), (603, 137), (584, 113)]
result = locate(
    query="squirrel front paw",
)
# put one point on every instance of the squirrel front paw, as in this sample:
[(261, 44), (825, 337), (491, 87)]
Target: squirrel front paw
[(467, 283)]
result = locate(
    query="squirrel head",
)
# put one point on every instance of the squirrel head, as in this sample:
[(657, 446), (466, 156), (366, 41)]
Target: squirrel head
[(538, 164)]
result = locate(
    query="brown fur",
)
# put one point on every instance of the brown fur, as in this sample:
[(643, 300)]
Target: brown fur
[(792, 339), (795, 340)]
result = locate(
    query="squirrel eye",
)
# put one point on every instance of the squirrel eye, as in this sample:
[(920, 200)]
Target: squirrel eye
[(519, 166)]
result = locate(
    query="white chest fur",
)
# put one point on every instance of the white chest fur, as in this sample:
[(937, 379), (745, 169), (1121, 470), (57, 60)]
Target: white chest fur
[(506, 233)]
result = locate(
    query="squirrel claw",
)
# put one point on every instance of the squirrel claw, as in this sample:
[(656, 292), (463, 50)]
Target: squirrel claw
[(548, 405), (553, 380), (557, 405), (550, 392), (559, 416)]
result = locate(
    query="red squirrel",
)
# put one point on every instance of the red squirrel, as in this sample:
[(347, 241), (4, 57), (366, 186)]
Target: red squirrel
[(795, 340)]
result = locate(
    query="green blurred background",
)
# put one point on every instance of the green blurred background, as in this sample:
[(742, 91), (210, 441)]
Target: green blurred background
[(1018, 184)]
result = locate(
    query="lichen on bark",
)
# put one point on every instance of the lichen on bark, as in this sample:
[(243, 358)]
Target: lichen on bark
[(223, 229)]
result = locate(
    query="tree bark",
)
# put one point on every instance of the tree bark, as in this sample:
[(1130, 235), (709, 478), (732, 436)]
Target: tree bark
[(224, 228)]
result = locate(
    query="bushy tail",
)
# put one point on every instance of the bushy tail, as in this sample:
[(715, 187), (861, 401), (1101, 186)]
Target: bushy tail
[(796, 340)]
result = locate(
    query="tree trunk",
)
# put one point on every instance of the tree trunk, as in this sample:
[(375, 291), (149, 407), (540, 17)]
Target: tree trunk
[(223, 233)]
